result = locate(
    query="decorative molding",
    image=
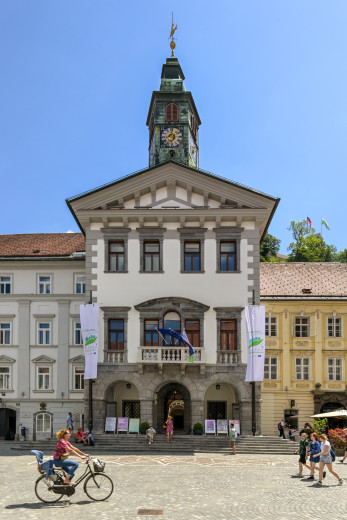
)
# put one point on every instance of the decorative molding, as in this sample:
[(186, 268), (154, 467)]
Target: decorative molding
[(43, 359)]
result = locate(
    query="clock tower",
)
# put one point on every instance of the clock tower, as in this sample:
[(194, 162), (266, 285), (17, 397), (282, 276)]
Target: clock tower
[(173, 120)]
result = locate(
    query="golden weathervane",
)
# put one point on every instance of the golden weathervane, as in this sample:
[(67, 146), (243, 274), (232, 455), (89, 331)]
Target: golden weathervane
[(172, 43)]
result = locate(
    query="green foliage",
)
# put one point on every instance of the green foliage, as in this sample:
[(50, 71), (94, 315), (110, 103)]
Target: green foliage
[(269, 248), (197, 426), (341, 256), (144, 425), (320, 425), (308, 246), (337, 437)]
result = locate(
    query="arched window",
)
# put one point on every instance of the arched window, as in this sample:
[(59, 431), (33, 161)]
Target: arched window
[(172, 321), (171, 112), (43, 423)]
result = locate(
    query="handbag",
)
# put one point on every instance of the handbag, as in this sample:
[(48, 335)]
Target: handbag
[(64, 456), (164, 426)]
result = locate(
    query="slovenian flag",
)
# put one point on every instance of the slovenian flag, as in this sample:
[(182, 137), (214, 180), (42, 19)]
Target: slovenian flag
[(309, 221), (191, 350), (325, 223)]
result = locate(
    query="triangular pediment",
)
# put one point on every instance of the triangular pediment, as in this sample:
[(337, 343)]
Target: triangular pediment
[(6, 359), (77, 359), (43, 359), (171, 184)]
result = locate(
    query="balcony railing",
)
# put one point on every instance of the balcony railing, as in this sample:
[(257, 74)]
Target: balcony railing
[(116, 357), (169, 355), (228, 357)]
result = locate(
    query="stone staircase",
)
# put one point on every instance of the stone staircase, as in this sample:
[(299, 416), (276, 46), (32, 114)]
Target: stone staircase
[(180, 445)]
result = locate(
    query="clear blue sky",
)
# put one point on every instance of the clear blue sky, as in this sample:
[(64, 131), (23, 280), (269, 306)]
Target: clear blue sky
[(269, 79)]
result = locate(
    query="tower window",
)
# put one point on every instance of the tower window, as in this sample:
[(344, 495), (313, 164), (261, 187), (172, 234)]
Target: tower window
[(171, 112)]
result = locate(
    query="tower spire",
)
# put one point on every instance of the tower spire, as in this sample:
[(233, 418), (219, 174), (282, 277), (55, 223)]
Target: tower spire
[(172, 43)]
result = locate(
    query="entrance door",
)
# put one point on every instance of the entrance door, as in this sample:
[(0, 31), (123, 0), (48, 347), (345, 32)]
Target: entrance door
[(217, 410), (7, 424)]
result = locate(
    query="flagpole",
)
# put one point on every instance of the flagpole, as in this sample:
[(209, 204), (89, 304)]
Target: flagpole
[(162, 337), (254, 419)]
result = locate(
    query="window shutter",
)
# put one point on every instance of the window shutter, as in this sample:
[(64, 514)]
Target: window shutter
[(171, 112)]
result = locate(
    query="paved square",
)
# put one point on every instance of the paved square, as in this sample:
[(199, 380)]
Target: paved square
[(183, 487)]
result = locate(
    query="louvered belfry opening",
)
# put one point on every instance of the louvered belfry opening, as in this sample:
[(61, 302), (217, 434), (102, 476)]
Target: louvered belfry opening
[(171, 113)]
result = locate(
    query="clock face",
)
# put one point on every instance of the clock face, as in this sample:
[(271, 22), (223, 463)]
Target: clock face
[(193, 148), (171, 137)]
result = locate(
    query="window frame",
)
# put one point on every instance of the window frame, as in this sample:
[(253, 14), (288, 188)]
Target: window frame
[(3, 322), (269, 365), (192, 333), (47, 414), (335, 368), (228, 234), (334, 326), (76, 283), (172, 113), (44, 321), (233, 255), (302, 367), (116, 255), (151, 332), (191, 256), (269, 326), (48, 367), (112, 235), (4, 388), (79, 375), (45, 283), (75, 329), (301, 325), (4, 283), (231, 335), (116, 330), (151, 256)]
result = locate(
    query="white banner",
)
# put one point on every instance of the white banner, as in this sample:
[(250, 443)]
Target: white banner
[(90, 333), (255, 325)]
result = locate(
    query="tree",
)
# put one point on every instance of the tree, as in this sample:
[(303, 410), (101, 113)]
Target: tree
[(269, 248), (341, 256), (309, 246)]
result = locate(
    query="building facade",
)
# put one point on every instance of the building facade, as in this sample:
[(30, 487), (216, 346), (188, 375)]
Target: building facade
[(305, 365)]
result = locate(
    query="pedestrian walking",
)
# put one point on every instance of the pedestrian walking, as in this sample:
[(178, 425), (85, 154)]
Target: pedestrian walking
[(169, 428), (280, 427), (326, 460), (292, 433), (313, 449), (232, 438), (345, 455), (302, 450), (69, 422)]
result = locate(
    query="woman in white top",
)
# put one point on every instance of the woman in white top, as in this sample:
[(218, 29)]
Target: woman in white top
[(325, 459)]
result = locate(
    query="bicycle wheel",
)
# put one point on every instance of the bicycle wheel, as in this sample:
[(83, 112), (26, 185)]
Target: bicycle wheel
[(98, 486), (43, 491)]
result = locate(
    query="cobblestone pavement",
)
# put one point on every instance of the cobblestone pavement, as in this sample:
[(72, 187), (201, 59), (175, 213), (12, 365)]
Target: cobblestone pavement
[(184, 487)]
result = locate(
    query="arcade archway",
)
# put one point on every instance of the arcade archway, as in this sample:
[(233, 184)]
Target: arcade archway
[(173, 399)]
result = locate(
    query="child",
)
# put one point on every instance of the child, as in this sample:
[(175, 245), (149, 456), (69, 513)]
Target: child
[(150, 434), (302, 450)]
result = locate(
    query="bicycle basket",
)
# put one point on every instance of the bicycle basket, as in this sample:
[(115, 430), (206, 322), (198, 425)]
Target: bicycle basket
[(99, 465)]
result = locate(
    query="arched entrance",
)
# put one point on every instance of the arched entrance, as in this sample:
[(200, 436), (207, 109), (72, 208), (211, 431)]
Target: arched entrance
[(7, 424), (173, 399), (123, 400), (221, 402), (331, 407)]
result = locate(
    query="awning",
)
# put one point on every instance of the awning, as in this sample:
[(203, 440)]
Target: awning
[(339, 414)]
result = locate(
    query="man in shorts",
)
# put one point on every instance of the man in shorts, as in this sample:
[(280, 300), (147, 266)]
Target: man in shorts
[(232, 438), (302, 450)]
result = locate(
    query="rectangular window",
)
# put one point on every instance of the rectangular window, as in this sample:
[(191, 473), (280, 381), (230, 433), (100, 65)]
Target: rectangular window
[(5, 333), (43, 333), (43, 423), (193, 332), (151, 335), (302, 327), (228, 335), (335, 369), (116, 256), (270, 368), (5, 285), (227, 254), (270, 326), (43, 378), (4, 378), (192, 256), (151, 256), (45, 284), (302, 368), (80, 284), (334, 327), (78, 378), (77, 334), (116, 334)]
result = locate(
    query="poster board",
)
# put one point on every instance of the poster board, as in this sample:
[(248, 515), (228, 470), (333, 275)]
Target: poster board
[(122, 424), (222, 427), (110, 424), (134, 425), (237, 426), (210, 427)]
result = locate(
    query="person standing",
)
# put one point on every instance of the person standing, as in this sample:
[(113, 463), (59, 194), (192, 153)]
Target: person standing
[(313, 449), (281, 426), (345, 455), (232, 438), (69, 422), (169, 428), (302, 450), (325, 459)]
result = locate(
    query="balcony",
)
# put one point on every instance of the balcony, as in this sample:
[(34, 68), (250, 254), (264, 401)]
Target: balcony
[(169, 355), (115, 357), (228, 357)]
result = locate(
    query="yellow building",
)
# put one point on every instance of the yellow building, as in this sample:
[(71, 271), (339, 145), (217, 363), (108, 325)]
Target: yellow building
[(305, 364)]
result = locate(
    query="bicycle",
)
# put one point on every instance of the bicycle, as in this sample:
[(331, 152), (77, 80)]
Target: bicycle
[(98, 486)]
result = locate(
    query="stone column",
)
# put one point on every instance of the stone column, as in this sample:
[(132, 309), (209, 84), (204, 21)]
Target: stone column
[(23, 358), (99, 415), (197, 410), (146, 410)]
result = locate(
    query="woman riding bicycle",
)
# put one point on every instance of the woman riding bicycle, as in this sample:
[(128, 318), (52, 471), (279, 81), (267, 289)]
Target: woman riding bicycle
[(62, 451)]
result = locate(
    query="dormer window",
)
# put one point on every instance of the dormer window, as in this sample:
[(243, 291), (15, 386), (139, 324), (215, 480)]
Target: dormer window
[(171, 113)]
